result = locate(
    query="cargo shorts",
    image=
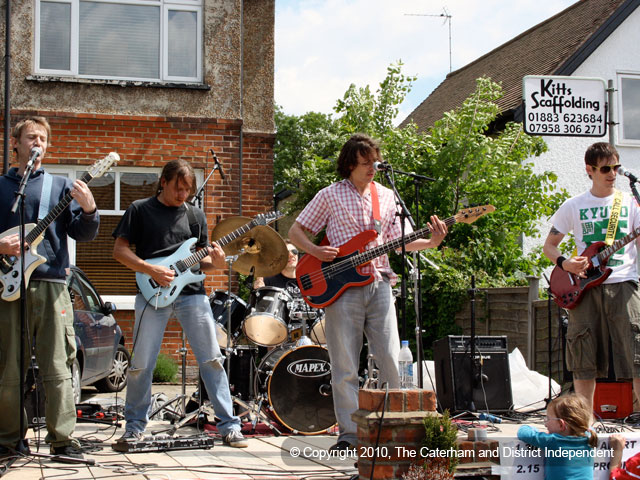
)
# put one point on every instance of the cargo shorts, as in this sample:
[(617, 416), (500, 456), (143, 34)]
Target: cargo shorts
[(608, 310)]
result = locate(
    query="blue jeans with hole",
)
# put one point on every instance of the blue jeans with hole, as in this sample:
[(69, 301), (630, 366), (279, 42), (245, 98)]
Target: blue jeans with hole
[(194, 314)]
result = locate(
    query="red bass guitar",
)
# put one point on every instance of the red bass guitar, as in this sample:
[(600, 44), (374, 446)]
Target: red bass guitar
[(322, 283), (568, 289)]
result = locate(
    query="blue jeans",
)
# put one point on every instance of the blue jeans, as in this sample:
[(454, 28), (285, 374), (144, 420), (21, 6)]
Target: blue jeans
[(194, 314), (367, 310)]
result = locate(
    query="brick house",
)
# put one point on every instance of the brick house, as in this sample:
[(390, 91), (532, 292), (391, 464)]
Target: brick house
[(153, 80)]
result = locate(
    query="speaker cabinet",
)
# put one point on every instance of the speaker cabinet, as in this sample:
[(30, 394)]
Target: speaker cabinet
[(487, 389)]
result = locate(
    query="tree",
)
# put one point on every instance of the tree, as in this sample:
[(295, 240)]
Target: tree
[(469, 166)]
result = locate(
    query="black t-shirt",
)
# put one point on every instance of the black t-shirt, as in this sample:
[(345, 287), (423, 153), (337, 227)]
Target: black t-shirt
[(158, 230), (288, 284)]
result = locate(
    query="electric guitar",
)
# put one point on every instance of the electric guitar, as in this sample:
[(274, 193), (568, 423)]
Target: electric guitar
[(568, 289), (10, 268), (182, 261), (322, 283)]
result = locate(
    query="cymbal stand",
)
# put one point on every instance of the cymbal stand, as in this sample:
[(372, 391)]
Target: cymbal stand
[(182, 410)]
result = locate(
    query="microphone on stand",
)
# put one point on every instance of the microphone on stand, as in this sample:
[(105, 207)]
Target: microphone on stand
[(35, 153), (628, 174), (381, 166), (218, 164)]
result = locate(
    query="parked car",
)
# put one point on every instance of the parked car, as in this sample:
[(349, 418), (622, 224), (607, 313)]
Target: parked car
[(102, 359)]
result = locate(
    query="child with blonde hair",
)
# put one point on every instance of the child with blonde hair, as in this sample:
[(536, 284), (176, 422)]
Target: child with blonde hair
[(567, 447)]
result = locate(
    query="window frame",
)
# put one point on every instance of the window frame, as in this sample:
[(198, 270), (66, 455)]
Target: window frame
[(165, 6), (629, 142)]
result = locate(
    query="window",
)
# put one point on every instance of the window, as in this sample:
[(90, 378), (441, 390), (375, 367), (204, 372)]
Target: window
[(141, 40), (629, 101), (113, 193)]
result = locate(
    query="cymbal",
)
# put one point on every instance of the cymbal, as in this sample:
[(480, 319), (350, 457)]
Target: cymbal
[(261, 247)]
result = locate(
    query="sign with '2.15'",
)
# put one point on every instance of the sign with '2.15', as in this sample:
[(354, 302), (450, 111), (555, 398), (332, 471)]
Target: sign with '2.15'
[(566, 106)]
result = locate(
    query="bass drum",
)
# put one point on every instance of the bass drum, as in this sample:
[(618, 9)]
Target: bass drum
[(297, 382), (238, 307)]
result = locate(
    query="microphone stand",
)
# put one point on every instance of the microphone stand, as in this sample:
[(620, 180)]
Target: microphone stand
[(19, 204), (405, 214), (198, 195)]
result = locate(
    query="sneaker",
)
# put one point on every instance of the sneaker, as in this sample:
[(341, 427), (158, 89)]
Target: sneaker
[(342, 446), (235, 439), (70, 451), (131, 437)]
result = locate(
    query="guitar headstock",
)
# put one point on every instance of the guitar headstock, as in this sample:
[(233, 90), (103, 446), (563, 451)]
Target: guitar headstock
[(101, 166), (267, 218), (471, 214)]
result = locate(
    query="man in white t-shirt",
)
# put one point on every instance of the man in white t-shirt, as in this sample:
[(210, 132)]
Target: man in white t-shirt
[(611, 309)]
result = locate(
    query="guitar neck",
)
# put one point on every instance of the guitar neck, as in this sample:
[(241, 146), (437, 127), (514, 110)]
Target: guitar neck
[(380, 250), (195, 258), (54, 213), (605, 253)]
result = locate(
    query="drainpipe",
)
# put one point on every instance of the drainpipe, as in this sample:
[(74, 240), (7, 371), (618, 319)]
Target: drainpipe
[(240, 147), (7, 86)]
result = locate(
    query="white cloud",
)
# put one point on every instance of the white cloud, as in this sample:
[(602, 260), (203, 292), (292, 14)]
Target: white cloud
[(324, 46)]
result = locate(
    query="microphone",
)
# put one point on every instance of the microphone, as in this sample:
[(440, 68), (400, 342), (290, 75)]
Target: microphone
[(628, 174), (218, 164), (381, 166), (490, 418), (35, 153)]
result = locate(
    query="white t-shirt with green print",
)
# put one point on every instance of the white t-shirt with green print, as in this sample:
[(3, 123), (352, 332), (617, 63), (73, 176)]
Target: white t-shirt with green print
[(587, 217)]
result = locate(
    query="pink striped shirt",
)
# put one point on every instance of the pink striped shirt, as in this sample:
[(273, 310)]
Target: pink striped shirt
[(346, 213)]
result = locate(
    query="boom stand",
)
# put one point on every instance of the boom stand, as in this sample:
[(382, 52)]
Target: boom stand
[(405, 214)]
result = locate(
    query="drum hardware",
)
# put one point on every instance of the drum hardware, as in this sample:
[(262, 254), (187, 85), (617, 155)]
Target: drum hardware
[(261, 247), (255, 413), (372, 374), (180, 411)]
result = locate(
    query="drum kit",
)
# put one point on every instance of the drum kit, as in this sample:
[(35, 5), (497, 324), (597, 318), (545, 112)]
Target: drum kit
[(277, 364)]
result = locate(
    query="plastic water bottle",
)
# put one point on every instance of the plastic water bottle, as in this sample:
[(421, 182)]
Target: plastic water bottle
[(405, 366)]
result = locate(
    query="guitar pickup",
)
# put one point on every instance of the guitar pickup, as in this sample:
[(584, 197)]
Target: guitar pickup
[(306, 282)]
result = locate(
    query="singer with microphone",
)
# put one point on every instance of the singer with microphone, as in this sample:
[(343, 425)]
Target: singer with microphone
[(610, 310), (49, 310), (347, 208)]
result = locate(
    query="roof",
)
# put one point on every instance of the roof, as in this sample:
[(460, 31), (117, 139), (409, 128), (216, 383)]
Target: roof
[(556, 46)]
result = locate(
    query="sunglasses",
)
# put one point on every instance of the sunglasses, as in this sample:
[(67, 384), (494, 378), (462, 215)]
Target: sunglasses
[(293, 251), (607, 168)]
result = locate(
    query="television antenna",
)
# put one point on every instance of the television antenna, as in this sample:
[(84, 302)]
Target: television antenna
[(447, 19)]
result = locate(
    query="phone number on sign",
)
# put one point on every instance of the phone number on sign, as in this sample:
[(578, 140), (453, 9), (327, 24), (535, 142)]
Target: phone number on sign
[(577, 128)]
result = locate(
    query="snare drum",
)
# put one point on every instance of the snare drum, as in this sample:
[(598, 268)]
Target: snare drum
[(297, 382), (238, 307), (266, 323)]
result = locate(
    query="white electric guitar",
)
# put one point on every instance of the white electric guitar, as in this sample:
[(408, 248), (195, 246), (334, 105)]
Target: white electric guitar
[(34, 233), (182, 261)]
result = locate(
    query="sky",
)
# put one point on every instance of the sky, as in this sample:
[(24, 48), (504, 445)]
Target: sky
[(323, 46)]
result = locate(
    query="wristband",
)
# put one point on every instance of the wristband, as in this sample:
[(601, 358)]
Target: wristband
[(559, 261)]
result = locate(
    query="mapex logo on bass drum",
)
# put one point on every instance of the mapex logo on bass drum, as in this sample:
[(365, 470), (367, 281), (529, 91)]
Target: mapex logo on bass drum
[(309, 367)]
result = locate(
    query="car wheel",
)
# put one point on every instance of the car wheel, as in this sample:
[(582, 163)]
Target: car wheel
[(117, 378), (75, 381)]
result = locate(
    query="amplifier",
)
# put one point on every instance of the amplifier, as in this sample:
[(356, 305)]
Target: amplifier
[(163, 443), (490, 387)]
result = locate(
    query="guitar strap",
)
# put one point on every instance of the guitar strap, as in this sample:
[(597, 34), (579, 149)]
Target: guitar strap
[(613, 218), (193, 223), (45, 195), (375, 208)]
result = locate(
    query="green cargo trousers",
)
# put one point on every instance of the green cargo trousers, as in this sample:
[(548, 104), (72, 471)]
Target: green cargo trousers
[(50, 330)]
